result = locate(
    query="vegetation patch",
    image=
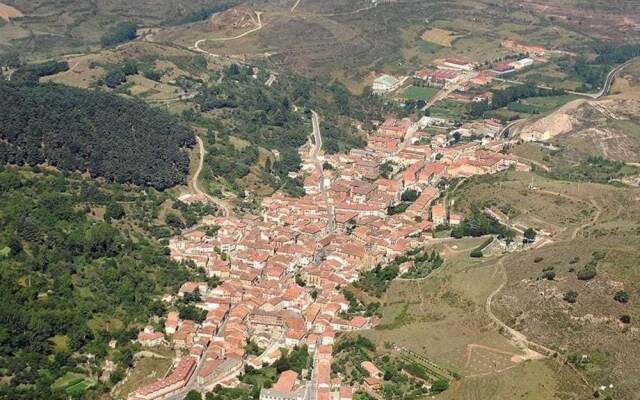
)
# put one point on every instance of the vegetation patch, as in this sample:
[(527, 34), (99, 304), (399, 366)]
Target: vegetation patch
[(106, 135)]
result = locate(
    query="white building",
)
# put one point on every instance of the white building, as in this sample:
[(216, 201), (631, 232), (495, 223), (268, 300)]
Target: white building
[(385, 83)]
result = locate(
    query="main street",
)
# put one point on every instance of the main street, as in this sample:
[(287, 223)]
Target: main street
[(315, 150)]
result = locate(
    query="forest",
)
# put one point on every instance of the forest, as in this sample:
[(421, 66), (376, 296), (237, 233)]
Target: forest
[(70, 282), (272, 117), (118, 139)]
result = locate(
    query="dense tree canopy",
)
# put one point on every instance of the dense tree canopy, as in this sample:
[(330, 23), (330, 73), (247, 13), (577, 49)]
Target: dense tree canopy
[(72, 129), (61, 274), (123, 32)]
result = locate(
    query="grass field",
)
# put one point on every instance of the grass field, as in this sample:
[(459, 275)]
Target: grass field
[(442, 319), (509, 194), (419, 93)]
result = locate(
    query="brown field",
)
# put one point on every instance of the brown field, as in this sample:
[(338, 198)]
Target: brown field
[(441, 37), (7, 12)]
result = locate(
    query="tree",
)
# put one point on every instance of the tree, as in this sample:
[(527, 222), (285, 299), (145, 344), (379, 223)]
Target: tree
[(530, 234), (113, 211), (409, 195), (193, 395), (173, 221), (439, 386), (123, 32), (571, 296)]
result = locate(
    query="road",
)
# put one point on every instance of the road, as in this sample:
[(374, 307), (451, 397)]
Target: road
[(315, 150), (448, 89), (197, 44), (505, 133), (225, 207), (603, 92)]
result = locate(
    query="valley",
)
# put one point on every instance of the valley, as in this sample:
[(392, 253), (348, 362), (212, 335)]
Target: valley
[(319, 200)]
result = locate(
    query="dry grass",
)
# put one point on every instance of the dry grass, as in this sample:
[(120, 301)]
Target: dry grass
[(441, 37)]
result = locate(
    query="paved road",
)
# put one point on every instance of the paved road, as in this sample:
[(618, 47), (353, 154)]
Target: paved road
[(506, 131), (225, 207), (317, 145), (603, 92)]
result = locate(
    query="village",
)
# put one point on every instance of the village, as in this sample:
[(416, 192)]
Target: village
[(276, 277)]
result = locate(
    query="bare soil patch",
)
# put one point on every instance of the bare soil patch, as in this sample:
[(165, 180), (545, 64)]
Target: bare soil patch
[(7, 12)]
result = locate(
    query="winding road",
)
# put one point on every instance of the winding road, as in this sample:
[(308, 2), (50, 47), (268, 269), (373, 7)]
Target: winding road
[(197, 44), (506, 131), (225, 207)]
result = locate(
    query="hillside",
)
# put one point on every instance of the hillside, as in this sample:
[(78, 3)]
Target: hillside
[(78, 130), (73, 278), (57, 27)]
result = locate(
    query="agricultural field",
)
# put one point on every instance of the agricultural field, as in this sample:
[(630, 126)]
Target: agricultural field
[(74, 384)]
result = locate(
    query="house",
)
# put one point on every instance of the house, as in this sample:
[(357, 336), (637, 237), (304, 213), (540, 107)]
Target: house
[(385, 83), (345, 393), (165, 387), (456, 64), (455, 219), (435, 78), (372, 384), (284, 388), (503, 68), (149, 338), (395, 128), (525, 62), (171, 324), (371, 369), (438, 214), (215, 370)]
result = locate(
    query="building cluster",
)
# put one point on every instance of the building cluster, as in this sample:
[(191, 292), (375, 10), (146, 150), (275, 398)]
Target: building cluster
[(280, 272)]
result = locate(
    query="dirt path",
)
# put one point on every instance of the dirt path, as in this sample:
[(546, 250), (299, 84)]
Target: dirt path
[(516, 337), (592, 203), (294, 6), (197, 44), (225, 207)]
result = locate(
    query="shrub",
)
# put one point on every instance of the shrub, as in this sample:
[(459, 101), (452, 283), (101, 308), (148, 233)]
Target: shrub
[(123, 32), (625, 319), (549, 275), (586, 274), (571, 296), (621, 296), (538, 259), (476, 254), (439, 386)]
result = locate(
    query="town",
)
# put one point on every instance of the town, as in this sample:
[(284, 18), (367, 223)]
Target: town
[(276, 278)]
